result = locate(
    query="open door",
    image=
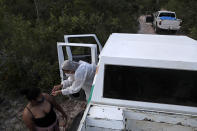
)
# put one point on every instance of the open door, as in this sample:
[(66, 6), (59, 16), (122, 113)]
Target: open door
[(77, 51)]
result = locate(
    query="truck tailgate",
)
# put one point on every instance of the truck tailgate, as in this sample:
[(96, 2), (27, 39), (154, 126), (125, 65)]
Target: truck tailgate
[(170, 23)]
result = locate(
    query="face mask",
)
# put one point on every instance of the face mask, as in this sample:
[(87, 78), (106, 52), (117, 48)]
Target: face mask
[(40, 101), (68, 75)]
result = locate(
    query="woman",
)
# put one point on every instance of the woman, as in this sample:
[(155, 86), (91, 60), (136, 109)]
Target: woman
[(39, 115)]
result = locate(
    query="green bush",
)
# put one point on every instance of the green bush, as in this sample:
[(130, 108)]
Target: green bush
[(29, 31)]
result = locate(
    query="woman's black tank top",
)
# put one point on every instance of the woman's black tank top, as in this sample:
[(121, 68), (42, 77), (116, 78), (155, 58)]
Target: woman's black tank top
[(45, 121)]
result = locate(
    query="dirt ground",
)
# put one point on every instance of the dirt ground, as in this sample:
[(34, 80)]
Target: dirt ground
[(72, 108), (145, 28)]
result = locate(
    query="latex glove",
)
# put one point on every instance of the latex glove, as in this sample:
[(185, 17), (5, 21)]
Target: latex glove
[(56, 87), (55, 93)]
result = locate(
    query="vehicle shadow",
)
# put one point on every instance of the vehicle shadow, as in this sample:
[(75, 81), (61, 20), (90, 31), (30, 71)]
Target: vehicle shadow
[(170, 32), (75, 124)]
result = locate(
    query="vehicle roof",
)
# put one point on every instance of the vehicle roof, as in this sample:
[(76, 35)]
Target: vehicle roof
[(145, 50), (153, 47)]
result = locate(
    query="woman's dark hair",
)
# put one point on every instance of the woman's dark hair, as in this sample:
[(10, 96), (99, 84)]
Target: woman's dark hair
[(31, 93)]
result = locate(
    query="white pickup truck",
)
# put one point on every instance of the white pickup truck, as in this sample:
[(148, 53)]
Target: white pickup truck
[(143, 83), (166, 20)]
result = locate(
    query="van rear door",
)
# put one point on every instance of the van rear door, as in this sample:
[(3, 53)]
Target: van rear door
[(77, 51)]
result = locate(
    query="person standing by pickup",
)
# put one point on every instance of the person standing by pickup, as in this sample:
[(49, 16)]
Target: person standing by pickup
[(81, 77)]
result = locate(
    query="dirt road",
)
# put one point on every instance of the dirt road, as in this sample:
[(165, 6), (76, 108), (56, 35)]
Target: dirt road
[(145, 28)]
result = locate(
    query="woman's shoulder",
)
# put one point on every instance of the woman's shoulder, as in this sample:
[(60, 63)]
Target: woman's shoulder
[(48, 97), (27, 110)]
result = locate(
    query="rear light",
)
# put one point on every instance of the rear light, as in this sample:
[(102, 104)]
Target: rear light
[(97, 68)]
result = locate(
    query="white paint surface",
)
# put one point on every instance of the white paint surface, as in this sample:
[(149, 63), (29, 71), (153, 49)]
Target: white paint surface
[(105, 117), (154, 47), (142, 50), (113, 118), (156, 51), (135, 125)]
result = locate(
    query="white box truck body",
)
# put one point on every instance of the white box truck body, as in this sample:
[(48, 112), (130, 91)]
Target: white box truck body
[(144, 83)]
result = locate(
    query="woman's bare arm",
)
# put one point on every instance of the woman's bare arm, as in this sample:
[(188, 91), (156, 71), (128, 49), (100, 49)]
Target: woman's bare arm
[(55, 104), (27, 118)]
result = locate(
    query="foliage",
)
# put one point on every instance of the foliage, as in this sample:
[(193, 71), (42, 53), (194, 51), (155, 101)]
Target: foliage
[(185, 10), (30, 29)]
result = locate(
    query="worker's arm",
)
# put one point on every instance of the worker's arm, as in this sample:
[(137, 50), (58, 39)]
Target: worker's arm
[(80, 78), (27, 118), (76, 86), (68, 82), (57, 87), (64, 84)]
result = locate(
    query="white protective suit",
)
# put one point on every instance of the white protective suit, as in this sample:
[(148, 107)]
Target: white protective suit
[(83, 78)]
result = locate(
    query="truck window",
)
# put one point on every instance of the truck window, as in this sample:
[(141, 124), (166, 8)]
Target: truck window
[(166, 15), (155, 85)]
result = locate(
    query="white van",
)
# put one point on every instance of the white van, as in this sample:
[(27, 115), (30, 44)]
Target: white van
[(143, 83)]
